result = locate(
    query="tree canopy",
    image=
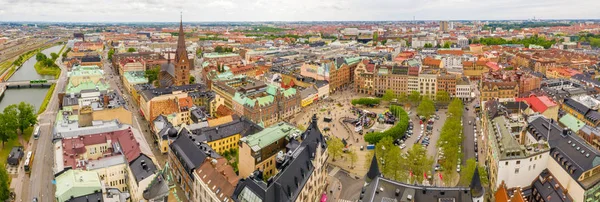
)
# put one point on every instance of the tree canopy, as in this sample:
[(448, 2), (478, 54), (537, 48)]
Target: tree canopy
[(111, 52), (9, 123), (428, 45), (442, 97), (152, 74), (466, 173), (192, 79), (447, 44), (535, 39), (334, 147), (4, 184), (221, 49), (389, 95), (414, 98), (131, 50), (26, 115), (451, 138), (426, 108), (366, 101)]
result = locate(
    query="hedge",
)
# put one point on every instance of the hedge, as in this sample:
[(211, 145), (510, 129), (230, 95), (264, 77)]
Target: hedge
[(366, 101), (396, 131)]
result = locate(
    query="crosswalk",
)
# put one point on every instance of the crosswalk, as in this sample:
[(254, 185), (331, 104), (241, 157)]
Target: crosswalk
[(344, 200)]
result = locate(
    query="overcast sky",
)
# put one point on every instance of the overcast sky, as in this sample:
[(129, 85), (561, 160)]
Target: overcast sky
[(292, 10)]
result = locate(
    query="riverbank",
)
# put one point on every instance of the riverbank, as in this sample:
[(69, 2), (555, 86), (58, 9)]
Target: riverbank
[(8, 68), (47, 99), (42, 69)]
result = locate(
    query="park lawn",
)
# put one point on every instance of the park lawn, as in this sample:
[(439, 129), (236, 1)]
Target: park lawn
[(43, 70), (6, 149), (27, 133)]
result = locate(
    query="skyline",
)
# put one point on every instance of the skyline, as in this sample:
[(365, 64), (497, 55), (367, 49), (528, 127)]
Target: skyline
[(283, 11)]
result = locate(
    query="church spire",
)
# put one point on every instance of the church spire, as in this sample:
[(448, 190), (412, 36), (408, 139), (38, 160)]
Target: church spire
[(181, 52)]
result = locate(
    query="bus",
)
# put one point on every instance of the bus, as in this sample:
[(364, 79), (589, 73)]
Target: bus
[(28, 162), (36, 132)]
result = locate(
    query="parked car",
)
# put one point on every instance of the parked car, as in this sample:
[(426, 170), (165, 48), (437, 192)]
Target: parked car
[(458, 168), (402, 146), (362, 147)]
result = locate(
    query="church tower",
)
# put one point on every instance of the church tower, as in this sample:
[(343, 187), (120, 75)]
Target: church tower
[(182, 63)]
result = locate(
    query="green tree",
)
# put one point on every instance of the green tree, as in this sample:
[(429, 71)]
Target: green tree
[(426, 107), (64, 54), (384, 42), (334, 147), (353, 157), (152, 74), (402, 98), (414, 98), (54, 56), (199, 52), (219, 49), (40, 56), (428, 45), (466, 173), (420, 162), (4, 184), (366, 101), (447, 44), (9, 123), (192, 79), (442, 97), (111, 52), (389, 95), (438, 46), (131, 50), (26, 115)]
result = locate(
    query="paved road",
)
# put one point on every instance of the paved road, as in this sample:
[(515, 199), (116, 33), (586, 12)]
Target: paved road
[(138, 121), (351, 187), (39, 183)]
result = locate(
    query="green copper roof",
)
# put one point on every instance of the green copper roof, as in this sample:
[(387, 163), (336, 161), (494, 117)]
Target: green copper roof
[(353, 60), (87, 85), (92, 70), (269, 135), (289, 92), (76, 183), (571, 122), (267, 99), (135, 77)]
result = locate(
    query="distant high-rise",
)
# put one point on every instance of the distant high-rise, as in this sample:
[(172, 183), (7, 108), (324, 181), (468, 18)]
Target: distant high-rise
[(444, 26)]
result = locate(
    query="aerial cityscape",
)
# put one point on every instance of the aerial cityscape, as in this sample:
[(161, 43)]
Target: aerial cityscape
[(325, 101)]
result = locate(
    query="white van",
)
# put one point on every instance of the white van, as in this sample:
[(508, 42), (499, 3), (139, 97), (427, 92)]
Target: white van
[(36, 132)]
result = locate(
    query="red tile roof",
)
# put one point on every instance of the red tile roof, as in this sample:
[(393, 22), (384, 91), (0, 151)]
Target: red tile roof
[(74, 148), (538, 104)]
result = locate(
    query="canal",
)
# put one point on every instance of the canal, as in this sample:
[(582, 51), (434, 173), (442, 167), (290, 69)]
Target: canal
[(33, 96)]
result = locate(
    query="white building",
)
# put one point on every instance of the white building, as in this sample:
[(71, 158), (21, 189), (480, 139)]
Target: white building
[(428, 83), (509, 157), (464, 89), (420, 42), (463, 42)]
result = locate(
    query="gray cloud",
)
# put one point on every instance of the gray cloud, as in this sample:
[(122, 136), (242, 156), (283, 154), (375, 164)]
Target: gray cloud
[(292, 10)]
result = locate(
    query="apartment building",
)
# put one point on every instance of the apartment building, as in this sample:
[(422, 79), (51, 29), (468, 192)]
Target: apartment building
[(223, 137), (572, 161), (428, 82), (302, 173), (464, 90), (393, 78), (364, 78), (491, 90), (447, 83), (214, 180), (266, 104), (260, 151), (413, 79), (589, 116), (510, 158)]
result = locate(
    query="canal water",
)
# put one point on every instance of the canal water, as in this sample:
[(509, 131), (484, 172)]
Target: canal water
[(33, 96)]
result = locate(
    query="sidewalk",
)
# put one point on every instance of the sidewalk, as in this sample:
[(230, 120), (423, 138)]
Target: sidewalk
[(333, 189)]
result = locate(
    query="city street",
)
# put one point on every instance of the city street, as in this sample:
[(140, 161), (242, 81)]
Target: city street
[(39, 183)]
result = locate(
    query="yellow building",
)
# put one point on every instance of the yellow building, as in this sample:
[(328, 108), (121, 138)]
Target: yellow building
[(226, 137), (498, 90), (258, 151)]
